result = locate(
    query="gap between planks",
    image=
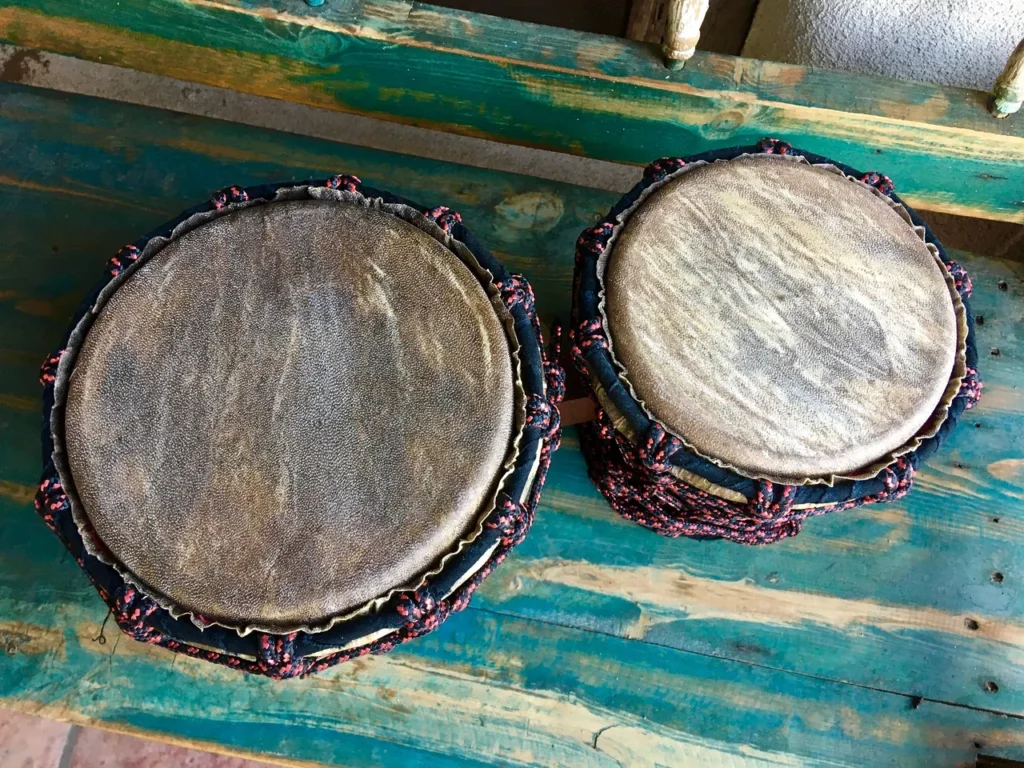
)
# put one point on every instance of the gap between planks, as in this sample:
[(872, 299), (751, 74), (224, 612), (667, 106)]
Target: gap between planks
[(39, 69)]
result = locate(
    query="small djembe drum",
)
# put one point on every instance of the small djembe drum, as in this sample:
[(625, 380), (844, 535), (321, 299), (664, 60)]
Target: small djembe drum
[(768, 335), (297, 424)]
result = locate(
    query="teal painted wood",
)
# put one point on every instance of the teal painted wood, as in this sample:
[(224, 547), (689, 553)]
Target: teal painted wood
[(882, 597), (484, 690), (572, 92), (594, 621)]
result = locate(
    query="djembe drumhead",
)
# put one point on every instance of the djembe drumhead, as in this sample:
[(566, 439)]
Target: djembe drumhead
[(310, 413), (769, 335)]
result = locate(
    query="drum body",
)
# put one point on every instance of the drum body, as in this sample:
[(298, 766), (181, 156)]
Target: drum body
[(768, 335), (297, 424)]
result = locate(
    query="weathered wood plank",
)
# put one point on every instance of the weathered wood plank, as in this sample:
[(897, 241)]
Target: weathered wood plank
[(528, 84), (876, 597), (483, 690)]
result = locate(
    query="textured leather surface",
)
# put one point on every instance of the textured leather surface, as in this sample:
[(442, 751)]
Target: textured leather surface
[(289, 411), (780, 318)]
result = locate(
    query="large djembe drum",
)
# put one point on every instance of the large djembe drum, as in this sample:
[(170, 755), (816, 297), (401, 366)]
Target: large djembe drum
[(297, 424), (768, 335)]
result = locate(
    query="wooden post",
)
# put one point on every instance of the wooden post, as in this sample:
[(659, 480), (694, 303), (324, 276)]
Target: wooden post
[(682, 30), (1008, 92)]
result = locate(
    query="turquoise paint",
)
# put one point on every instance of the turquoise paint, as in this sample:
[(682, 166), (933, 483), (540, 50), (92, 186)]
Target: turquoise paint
[(536, 85), (724, 680)]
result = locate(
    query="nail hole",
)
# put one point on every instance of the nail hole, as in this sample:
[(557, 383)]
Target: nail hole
[(995, 519), (979, 320), (1002, 285), (977, 425), (971, 624), (958, 465), (995, 351), (915, 701), (991, 686), (977, 745), (997, 577)]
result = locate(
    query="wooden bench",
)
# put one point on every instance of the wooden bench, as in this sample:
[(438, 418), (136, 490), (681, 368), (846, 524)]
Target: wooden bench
[(887, 635)]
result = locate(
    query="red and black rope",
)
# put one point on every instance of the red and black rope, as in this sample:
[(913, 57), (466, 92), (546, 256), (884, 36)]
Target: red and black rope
[(637, 478), (421, 611)]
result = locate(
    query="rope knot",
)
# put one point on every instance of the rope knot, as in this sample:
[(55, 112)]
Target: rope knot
[(962, 281), (592, 242), (774, 146), (542, 415), (51, 500), (444, 217), (772, 501), (661, 168), (970, 387), (879, 181), (516, 291), (48, 370), (511, 519), (345, 182), (223, 197), (131, 610), (422, 612), (899, 477), (554, 378), (414, 606), (123, 259), (657, 448), (587, 336)]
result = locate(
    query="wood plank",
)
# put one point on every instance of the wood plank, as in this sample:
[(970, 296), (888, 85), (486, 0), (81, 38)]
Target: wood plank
[(483, 690), (601, 97), (876, 597)]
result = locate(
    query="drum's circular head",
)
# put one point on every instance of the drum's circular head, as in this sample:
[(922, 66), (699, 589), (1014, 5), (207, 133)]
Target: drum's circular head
[(780, 318), (289, 411)]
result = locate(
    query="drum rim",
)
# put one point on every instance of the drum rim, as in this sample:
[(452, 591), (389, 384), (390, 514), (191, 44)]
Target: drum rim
[(629, 414), (155, 246), (385, 620)]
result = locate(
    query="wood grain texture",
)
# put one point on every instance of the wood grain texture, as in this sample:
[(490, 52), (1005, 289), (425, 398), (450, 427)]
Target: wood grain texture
[(780, 318), (527, 84), (848, 644)]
